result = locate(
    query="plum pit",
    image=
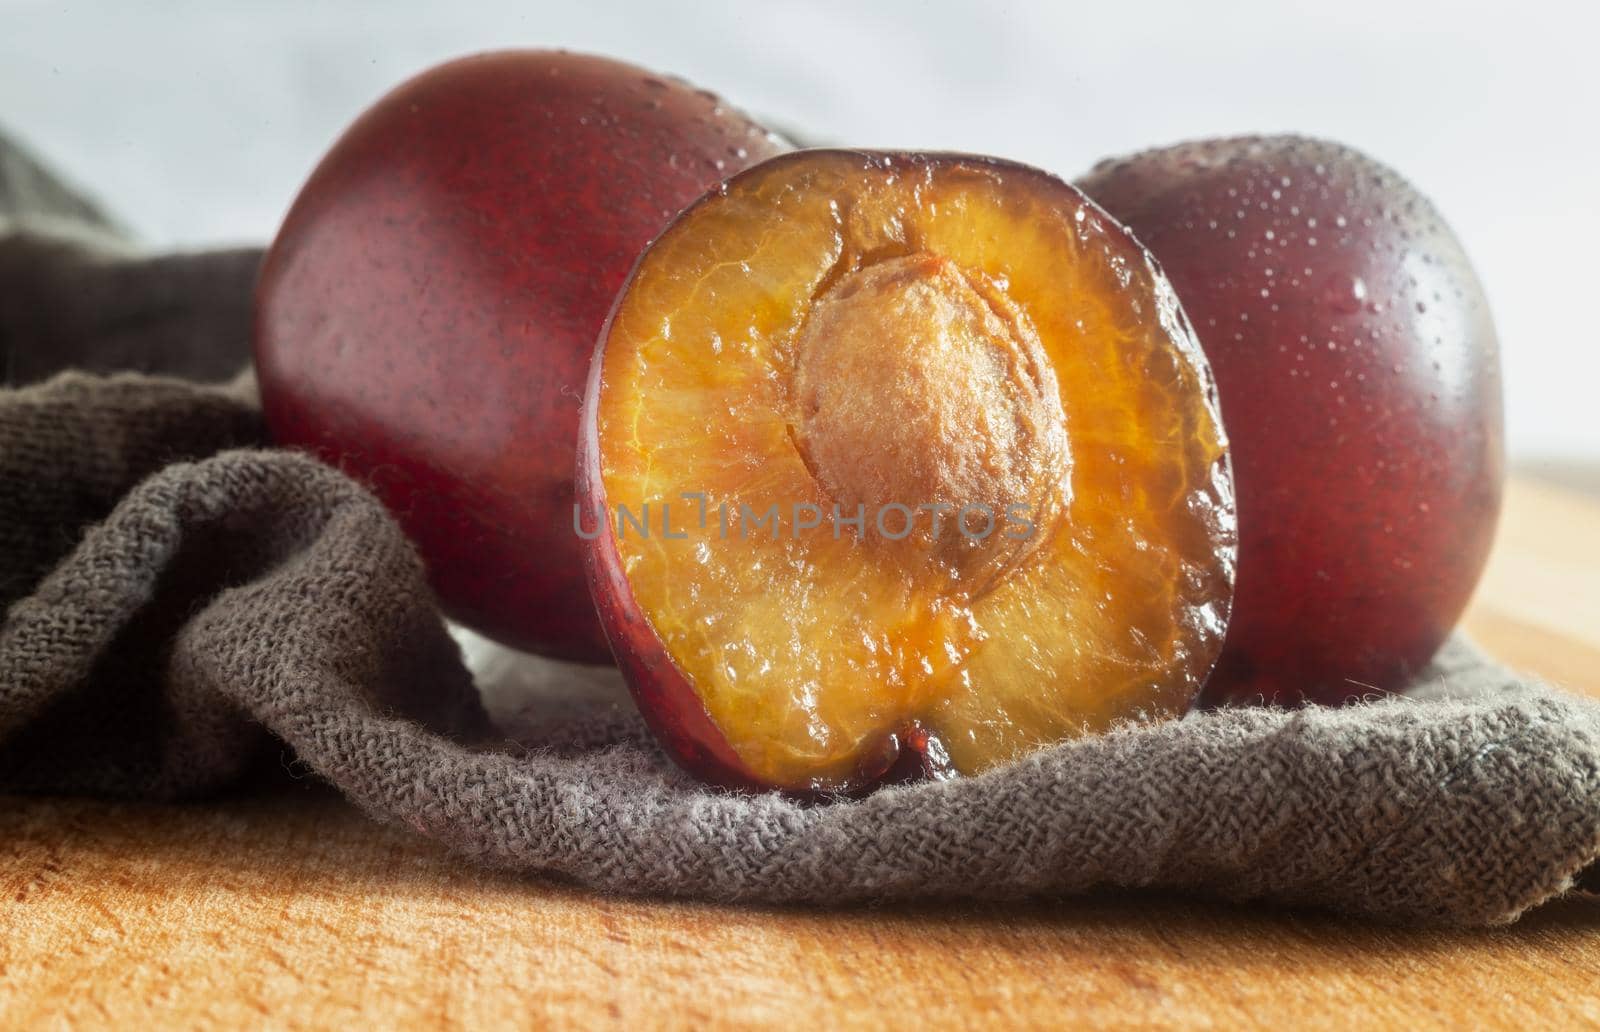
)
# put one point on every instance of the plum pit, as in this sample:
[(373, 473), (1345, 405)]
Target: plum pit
[(920, 386)]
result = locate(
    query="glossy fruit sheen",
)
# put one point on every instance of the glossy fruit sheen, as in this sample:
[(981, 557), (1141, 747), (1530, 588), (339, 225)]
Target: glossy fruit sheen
[(427, 312), (838, 334), (1360, 383)]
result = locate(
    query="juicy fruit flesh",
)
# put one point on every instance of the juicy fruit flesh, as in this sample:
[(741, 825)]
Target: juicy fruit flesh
[(810, 647)]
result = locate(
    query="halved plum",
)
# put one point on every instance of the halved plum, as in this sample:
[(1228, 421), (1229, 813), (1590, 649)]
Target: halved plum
[(900, 462)]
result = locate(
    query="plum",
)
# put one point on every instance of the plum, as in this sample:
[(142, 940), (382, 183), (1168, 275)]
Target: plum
[(426, 314), (900, 465), (1358, 371)]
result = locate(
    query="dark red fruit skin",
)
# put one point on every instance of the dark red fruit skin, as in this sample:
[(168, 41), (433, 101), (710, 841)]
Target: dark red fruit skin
[(1360, 388), (426, 315)]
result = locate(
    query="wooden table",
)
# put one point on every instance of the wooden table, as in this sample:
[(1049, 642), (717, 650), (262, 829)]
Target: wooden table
[(292, 910)]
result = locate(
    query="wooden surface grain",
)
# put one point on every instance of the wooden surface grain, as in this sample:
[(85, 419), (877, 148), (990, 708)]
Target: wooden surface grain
[(291, 910)]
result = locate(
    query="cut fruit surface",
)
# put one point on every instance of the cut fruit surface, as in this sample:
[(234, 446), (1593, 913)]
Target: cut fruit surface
[(901, 452)]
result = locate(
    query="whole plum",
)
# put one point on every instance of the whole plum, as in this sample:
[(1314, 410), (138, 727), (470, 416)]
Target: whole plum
[(1358, 372), (426, 314)]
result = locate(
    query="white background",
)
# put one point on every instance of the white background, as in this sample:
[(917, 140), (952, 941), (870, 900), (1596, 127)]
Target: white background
[(196, 122)]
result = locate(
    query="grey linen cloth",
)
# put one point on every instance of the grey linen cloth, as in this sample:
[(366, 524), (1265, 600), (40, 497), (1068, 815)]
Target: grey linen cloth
[(181, 603)]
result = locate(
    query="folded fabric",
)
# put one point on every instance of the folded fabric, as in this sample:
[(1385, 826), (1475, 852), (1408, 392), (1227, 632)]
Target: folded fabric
[(75, 292)]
